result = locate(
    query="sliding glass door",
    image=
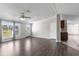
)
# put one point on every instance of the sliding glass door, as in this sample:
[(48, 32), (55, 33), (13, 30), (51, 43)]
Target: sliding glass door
[(7, 30), (17, 30), (14, 30)]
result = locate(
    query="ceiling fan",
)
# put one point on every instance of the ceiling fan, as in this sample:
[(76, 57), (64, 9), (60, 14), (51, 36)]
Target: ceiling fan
[(23, 15)]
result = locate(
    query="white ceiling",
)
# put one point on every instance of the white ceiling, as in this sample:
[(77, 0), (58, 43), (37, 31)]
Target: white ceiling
[(68, 8), (38, 10)]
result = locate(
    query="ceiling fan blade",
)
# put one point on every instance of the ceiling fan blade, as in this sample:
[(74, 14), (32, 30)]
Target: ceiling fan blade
[(24, 17), (27, 17)]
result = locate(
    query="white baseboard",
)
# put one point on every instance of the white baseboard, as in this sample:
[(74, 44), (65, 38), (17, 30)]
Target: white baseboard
[(58, 41), (45, 37)]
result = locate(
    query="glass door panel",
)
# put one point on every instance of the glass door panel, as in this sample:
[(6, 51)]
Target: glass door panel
[(7, 30), (17, 30)]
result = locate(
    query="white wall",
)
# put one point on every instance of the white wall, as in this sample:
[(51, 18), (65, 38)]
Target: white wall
[(53, 32), (45, 28)]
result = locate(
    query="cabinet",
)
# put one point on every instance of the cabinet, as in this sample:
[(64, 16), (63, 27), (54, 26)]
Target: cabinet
[(64, 34)]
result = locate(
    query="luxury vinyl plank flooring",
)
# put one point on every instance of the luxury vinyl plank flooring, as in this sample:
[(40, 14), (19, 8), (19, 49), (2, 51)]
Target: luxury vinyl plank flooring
[(73, 41), (36, 47)]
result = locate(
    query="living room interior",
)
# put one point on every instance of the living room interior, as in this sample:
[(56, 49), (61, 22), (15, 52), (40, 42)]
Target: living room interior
[(39, 29)]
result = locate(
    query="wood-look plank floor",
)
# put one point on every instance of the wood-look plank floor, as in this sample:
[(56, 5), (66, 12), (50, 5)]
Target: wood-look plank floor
[(73, 41), (36, 47)]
